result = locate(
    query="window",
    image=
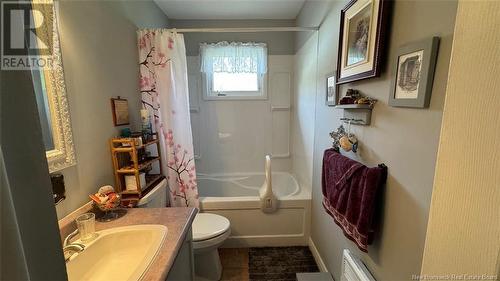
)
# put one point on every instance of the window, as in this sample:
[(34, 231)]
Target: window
[(235, 82), (234, 70)]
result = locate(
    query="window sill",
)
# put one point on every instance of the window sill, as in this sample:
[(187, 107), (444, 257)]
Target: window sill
[(229, 98)]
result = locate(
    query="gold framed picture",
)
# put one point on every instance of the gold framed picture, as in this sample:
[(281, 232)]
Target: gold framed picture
[(119, 107)]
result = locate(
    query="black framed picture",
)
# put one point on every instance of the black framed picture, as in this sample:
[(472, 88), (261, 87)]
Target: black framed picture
[(331, 89), (413, 74), (363, 25)]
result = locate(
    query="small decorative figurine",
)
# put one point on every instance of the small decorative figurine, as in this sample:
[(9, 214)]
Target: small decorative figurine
[(350, 97), (349, 143), (343, 139), (353, 96), (337, 135)]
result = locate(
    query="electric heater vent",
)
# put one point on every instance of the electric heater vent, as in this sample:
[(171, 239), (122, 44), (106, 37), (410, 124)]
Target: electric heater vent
[(353, 269)]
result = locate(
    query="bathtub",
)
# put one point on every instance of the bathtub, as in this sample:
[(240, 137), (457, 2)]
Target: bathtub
[(236, 196)]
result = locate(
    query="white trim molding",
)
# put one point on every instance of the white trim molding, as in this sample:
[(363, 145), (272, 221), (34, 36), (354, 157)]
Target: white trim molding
[(317, 256)]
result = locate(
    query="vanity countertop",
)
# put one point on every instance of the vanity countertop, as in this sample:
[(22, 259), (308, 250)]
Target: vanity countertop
[(178, 222)]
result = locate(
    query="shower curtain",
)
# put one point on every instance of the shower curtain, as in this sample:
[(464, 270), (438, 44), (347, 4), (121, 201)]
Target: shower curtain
[(164, 93)]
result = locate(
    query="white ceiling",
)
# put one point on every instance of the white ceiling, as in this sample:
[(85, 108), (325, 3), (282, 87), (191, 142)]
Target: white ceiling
[(230, 9)]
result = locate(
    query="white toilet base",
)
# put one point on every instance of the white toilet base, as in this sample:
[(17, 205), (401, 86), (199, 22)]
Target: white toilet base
[(207, 265)]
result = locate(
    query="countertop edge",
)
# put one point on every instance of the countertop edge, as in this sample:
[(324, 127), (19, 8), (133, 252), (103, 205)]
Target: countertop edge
[(178, 246)]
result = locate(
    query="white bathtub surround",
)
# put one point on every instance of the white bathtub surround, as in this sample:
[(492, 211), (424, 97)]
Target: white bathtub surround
[(164, 89), (268, 201), (236, 197), (232, 136)]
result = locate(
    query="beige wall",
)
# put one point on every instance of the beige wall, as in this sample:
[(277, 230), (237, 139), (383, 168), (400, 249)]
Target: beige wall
[(464, 223), (99, 47), (405, 139)]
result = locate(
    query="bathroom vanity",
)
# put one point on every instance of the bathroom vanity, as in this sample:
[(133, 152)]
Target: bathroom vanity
[(174, 258)]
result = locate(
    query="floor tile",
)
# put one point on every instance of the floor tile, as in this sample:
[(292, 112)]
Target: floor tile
[(265, 264), (235, 274)]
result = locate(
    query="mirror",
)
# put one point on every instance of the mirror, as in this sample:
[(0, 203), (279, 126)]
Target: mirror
[(50, 88), (43, 108)]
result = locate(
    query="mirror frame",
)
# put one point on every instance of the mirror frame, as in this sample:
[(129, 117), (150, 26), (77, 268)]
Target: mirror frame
[(63, 154)]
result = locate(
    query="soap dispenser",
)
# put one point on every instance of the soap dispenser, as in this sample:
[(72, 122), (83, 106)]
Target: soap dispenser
[(268, 201)]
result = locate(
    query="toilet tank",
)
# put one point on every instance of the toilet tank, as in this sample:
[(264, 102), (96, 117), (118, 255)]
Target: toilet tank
[(156, 198)]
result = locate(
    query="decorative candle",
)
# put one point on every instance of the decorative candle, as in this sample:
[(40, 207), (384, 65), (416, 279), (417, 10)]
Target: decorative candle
[(145, 116)]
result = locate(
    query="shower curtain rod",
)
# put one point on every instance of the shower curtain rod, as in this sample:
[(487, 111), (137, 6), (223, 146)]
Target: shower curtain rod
[(246, 29)]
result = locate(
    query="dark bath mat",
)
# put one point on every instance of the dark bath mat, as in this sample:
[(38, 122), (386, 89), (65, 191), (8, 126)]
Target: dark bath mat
[(279, 263)]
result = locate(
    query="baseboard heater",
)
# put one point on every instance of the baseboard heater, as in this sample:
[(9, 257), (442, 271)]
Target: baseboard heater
[(353, 269)]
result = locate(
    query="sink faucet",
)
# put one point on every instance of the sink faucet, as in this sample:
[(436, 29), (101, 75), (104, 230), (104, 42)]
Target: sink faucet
[(69, 237), (71, 249)]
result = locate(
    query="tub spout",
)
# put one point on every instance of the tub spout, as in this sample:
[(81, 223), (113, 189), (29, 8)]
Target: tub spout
[(268, 201)]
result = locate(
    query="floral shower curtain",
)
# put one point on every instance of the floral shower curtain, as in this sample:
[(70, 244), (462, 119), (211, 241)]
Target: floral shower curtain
[(164, 92)]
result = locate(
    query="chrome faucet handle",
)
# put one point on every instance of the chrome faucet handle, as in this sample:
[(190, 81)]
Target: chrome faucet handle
[(71, 249), (75, 247), (69, 237)]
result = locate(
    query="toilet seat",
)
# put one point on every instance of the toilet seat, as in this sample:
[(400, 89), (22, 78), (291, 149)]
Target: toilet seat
[(210, 244), (207, 226)]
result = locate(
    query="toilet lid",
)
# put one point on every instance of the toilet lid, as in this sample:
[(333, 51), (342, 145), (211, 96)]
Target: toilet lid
[(206, 226)]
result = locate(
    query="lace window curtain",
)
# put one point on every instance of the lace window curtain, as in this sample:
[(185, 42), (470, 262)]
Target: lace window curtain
[(235, 57)]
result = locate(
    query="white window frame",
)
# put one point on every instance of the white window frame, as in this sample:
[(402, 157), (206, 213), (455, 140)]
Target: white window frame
[(210, 95)]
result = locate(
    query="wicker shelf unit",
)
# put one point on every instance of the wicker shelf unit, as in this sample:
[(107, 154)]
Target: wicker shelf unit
[(124, 154)]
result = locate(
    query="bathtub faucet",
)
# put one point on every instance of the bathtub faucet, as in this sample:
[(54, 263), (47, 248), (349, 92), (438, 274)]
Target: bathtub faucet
[(268, 201)]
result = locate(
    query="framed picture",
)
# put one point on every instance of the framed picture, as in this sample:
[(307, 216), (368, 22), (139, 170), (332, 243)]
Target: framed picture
[(413, 74), (331, 89), (363, 25), (119, 107)]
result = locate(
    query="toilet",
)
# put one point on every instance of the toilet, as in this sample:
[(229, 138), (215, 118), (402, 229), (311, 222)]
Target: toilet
[(156, 198), (209, 233)]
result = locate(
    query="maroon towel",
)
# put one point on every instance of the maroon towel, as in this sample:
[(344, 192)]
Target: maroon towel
[(350, 194)]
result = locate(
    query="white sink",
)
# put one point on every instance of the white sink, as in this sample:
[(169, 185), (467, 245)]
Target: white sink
[(121, 253)]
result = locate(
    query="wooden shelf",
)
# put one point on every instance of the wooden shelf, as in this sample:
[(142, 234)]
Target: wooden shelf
[(356, 114), (130, 149), (148, 143), (151, 181), (142, 165), (354, 106), (130, 192), (124, 155)]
